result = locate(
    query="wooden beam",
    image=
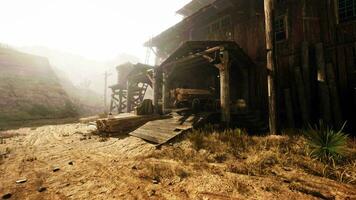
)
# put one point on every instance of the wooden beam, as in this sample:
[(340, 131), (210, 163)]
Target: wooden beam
[(306, 76), (224, 70), (156, 86), (319, 52), (165, 92), (129, 97), (269, 21), (190, 57), (302, 97), (289, 108)]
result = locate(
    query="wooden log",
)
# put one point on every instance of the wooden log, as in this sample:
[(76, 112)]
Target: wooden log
[(269, 22), (334, 95), (289, 108), (301, 97), (319, 53)]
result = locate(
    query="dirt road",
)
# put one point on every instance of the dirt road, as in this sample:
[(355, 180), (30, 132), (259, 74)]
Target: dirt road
[(99, 168), (92, 167)]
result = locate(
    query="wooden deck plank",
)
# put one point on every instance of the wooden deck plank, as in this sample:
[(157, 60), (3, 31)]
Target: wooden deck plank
[(161, 131)]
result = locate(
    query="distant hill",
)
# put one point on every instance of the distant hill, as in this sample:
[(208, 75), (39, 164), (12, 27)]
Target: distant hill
[(82, 72), (30, 89)]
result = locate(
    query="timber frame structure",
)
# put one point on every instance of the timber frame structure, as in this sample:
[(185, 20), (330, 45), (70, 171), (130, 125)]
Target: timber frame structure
[(314, 52), (129, 92), (218, 65)]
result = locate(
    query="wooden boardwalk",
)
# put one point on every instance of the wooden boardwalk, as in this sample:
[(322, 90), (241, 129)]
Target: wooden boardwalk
[(161, 131)]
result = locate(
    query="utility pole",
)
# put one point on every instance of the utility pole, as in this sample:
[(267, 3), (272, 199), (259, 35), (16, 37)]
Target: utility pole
[(270, 41), (106, 75)]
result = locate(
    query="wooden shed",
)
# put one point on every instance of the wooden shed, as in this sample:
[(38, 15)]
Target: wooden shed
[(218, 75)]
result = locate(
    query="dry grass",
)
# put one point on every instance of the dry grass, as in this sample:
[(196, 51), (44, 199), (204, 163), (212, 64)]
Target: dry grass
[(161, 172), (255, 155)]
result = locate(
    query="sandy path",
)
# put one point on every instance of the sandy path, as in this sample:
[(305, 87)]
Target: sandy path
[(99, 167)]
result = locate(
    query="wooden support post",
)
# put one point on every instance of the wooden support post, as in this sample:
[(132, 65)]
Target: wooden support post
[(306, 76), (334, 95), (129, 97), (224, 70), (269, 20), (164, 93), (319, 52), (156, 87), (301, 97), (325, 102), (324, 95), (120, 102)]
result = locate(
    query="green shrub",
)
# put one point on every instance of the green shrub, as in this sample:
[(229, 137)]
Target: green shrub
[(326, 144)]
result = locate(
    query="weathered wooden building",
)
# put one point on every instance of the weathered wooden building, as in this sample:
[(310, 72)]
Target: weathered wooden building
[(314, 46)]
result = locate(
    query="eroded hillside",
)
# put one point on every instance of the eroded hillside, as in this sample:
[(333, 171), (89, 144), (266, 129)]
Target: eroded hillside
[(30, 89)]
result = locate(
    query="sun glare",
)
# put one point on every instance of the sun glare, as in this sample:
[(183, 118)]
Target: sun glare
[(97, 29)]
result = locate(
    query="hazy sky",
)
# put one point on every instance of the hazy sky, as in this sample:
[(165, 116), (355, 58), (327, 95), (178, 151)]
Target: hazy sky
[(96, 29)]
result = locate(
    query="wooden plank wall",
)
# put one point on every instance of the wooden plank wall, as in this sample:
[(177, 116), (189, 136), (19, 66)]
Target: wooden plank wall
[(338, 41)]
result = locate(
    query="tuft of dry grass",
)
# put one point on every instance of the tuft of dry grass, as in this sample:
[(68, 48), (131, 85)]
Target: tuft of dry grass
[(162, 171)]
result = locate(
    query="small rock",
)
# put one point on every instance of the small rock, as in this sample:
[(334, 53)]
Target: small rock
[(288, 169), (56, 169), (134, 167), (41, 189), (21, 181), (151, 193), (287, 181), (155, 181), (7, 196), (70, 163)]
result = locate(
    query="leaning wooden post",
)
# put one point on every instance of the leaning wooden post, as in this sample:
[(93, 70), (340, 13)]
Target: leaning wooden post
[(224, 70), (269, 20)]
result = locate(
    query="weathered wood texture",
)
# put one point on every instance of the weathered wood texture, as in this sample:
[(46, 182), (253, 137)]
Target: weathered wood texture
[(161, 131), (269, 18), (225, 88), (123, 122), (314, 36)]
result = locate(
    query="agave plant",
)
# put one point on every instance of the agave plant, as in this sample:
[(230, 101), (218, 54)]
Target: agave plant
[(325, 143)]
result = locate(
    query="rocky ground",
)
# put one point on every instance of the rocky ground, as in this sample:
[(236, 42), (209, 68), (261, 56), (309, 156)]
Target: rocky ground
[(71, 162)]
